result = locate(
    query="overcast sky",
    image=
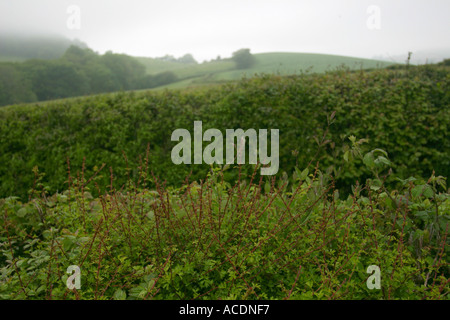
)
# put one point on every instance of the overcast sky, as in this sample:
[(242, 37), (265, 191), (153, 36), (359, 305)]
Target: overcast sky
[(208, 28)]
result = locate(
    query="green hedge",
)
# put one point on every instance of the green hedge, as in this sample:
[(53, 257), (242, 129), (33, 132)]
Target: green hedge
[(406, 112)]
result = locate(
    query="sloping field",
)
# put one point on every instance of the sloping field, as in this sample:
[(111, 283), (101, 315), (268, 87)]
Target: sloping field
[(281, 63)]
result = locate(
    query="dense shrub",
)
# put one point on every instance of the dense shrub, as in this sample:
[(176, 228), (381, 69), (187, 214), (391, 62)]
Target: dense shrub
[(406, 112), (89, 182), (256, 239)]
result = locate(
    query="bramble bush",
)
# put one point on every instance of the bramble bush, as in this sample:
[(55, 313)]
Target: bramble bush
[(259, 238)]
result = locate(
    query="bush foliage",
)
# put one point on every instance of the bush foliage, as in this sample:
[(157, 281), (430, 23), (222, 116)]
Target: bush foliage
[(404, 111), (78, 190), (257, 239)]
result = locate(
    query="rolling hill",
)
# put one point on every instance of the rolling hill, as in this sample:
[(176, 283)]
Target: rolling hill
[(283, 63), (42, 68)]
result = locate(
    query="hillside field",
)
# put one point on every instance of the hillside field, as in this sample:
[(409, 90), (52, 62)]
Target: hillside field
[(282, 63)]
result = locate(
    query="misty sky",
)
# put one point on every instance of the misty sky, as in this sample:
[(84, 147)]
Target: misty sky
[(208, 28)]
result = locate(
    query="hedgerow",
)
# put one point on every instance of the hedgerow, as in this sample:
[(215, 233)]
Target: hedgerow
[(405, 111)]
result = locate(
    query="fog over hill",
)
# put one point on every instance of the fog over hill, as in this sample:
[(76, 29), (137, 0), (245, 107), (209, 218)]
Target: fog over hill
[(16, 46), (417, 57), (208, 28)]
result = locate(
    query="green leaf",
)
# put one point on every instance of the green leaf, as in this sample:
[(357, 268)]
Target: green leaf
[(369, 160), (304, 174), (382, 160), (428, 192), (380, 150), (423, 189), (346, 154), (68, 242), (50, 204), (376, 184), (120, 294), (404, 182), (422, 215), (22, 212), (267, 187)]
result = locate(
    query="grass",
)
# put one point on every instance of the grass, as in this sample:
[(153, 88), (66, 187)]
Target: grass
[(294, 63), (282, 63), (183, 71)]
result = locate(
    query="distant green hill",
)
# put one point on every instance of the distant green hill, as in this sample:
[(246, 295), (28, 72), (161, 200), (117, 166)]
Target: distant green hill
[(282, 63), (155, 66), (38, 68), (184, 71), (285, 63)]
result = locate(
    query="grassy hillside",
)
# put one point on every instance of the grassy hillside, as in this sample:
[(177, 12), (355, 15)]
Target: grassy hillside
[(155, 66), (281, 63), (80, 72), (293, 63), (186, 71)]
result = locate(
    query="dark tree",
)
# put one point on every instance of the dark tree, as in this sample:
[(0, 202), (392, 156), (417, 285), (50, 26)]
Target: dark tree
[(14, 88), (187, 58), (126, 70), (445, 62), (243, 58)]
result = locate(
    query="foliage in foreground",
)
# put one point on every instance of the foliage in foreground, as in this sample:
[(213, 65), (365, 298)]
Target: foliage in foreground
[(257, 239)]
